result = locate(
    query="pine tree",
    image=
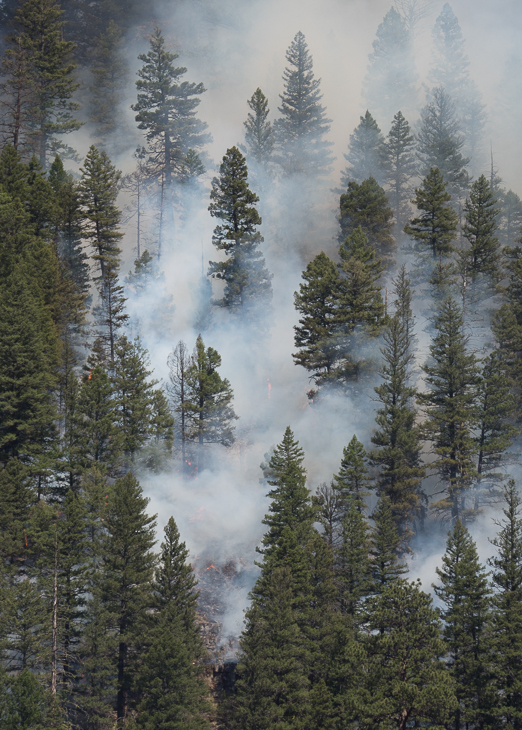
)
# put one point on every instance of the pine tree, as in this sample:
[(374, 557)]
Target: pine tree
[(364, 153), (178, 363), (397, 436), (390, 82), (99, 436), (47, 77), (67, 224), (25, 703), (98, 190), (316, 302), (353, 568), (166, 109), (352, 481), (465, 593), (170, 688), (360, 299), (247, 281), (17, 98), (506, 616), (110, 313), (16, 498), (300, 131), (110, 74), (385, 547), (134, 396), (407, 681), (208, 407), (436, 226), (450, 406), (272, 685), (496, 407), (510, 217), (439, 143), (399, 167), (451, 72), (290, 508), (125, 579), (28, 372), (479, 228), (259, 135), (366, 206)]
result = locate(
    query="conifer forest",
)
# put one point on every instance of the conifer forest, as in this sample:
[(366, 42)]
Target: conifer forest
[(260, 365)]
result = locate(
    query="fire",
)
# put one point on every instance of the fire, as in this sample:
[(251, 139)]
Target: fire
[(269, 387), (210, 566), (90, 373)]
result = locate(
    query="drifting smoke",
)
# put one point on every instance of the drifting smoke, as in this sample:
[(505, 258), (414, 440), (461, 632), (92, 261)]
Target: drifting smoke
[(234, 47)]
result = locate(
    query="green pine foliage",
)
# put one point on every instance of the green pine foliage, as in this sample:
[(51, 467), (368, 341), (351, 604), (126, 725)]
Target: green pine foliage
[(110, 74), (483, 255), (400, 167), (506, 618), (248, 288), (43, 79), (352, 482), (385, 547), (98, 190), (317, 303), (466, 596), (364, 153), (451, 377), (259, 134), (440, 144), (300, 131), (366, 206)]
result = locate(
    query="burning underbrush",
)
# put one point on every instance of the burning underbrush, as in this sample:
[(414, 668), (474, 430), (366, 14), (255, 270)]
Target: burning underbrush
[(223, 588)]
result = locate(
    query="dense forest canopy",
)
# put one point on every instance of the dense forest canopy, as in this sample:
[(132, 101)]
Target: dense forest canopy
[(260, 365)]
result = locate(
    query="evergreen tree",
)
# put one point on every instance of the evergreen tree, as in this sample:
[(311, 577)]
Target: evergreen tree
[(247, 281), (439, 143), (353, 567), (47, 77), (67, 223), (110, 74), (390, 82), (366, 206), (506, 615), (166, 109), (317, 303), (364, 153), (451, 71), (510, 217), (110, 313), (479, 227), (28, 360), (399, 167), (98, 190), (208, 406), (290, 508), (135, 396), (171, 691), (259, 135), (397, 437), (384, 549), (272, 685), (407, 681), (17, 97), (496, 407), (436, 227), (360, 299), (300, 131), (24, 704), (451, 376), (352, 481), (465, 593), (125, 580), (99, 435)]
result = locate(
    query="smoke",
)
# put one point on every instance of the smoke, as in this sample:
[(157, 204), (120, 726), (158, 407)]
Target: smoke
[(233, 47)]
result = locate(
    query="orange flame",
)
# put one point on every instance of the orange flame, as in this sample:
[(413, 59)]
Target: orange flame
[(90, 373)]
